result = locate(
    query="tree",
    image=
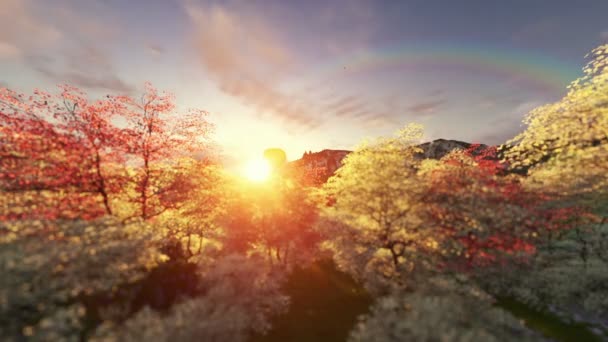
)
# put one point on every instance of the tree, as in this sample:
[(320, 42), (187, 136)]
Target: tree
[(443, 312), (275, 219), (198, 220), (566, 142), (66, 156), (157, 134), (241, 294), (484, 217), (57, 151), (372, 218), (51, 268), (565, 151)]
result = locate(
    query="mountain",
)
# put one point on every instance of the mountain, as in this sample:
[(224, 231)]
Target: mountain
[(438, 148), (326, 162)]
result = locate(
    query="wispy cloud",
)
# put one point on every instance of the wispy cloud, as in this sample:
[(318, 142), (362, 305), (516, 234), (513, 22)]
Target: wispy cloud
[(155, 49), (9, 51), (500, 131), (525, 107), (604, 35), (247, 59), (425, 107), (379, 120), (349, 106), (84, 66), (63, 44), (341, 102), (506, 127), (21, 30), (87, 80)]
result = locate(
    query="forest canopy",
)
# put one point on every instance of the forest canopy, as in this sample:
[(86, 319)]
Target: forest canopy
[(118, 222)]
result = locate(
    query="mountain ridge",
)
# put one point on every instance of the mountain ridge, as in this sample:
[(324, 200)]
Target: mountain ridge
[(325, 162)]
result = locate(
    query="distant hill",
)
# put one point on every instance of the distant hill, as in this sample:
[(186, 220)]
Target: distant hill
[(438, 148), (326, 162)]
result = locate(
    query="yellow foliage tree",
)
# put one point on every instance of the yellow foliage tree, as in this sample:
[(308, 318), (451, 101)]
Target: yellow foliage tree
[(566, 142), (374, 200)]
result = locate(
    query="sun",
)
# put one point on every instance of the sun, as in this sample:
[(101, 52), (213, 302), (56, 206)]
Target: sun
[(257, 170)]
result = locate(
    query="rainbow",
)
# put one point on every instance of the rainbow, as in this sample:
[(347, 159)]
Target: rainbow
[(544, 72)]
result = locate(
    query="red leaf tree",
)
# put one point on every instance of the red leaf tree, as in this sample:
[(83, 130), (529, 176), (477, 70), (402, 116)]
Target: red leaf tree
[(157, 134), (485, 216), (64, 156)]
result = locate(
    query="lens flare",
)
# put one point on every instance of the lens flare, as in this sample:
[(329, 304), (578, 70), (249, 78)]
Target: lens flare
[(257, 170)]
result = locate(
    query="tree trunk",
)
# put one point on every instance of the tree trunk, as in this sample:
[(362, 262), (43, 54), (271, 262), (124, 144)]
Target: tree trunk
[(101, 184)]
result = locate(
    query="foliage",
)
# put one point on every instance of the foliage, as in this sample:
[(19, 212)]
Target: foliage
[(372, 219), (565, 147), (324, 305), (444, 311), (158, 133), (64, 156), (403, 219), (115, 226), (56, 154), (566, 142), (240, 296), (195, 223), (47, 266), (547, 282), (274, 219), (483, 217)]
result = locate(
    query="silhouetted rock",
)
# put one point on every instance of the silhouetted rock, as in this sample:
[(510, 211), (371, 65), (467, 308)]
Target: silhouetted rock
[(437, 149)]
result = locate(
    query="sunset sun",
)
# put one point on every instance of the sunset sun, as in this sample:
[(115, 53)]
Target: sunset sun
[(257, 170)]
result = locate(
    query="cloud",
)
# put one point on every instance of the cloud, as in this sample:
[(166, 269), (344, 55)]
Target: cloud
[(352, 110), (507, 127), (345, 101), (379, 120), (247, 59), (523, 108), (349, 106), (155, 49), (425, 107), (85, 66), (61, 43), (84, 24), (604, 35), (86, 80), (8, 50), (500, 131), (21, 30), (88, 56)]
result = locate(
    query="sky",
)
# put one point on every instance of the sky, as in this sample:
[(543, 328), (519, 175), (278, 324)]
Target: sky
[(311, 75)]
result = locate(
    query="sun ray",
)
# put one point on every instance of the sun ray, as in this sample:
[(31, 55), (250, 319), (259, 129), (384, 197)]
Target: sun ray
[(257, 170)]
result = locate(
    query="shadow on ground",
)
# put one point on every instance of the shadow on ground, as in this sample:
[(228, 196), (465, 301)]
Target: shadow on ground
[(325, 304)]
